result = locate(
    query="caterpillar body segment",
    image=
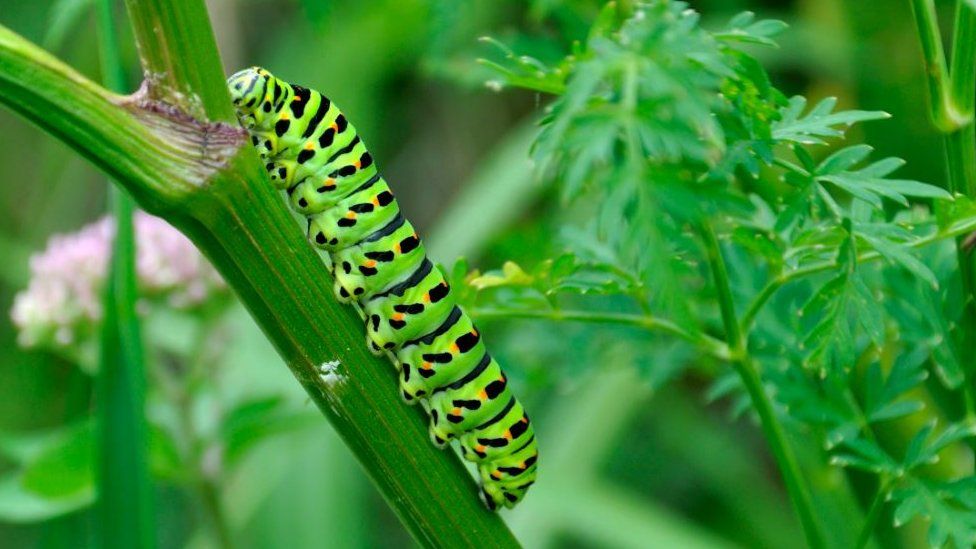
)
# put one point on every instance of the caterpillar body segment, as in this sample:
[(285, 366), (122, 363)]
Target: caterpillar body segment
[(314, 155)]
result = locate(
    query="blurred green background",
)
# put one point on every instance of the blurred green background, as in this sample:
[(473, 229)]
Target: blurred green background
[(625, 465)]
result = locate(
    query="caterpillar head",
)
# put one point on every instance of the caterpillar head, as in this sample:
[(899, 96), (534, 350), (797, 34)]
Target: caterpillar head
[(248, 90)]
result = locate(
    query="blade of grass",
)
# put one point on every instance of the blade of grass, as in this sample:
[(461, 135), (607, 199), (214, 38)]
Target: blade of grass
[(125, 507)]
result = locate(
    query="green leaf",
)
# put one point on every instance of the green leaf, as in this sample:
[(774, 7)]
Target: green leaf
[(253, 421), (65, 469), (947, 507), (870, 183), (843, 159), (902, 256), (867, 456), (743, 28), (819, 123), (19, 504)]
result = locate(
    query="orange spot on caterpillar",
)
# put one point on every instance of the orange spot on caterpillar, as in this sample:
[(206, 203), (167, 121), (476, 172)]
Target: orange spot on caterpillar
[(351, 215), (482, 395), (427, 298), (496, 475), (375, 201), (334, 126), (370, 264), (426, 366), (309, 146), (396, 247), (456, 412), (296, 99), (507, 435), (479, 448), (284, 116), (454, 348), (397, 316), (357, 164), (474, 332)]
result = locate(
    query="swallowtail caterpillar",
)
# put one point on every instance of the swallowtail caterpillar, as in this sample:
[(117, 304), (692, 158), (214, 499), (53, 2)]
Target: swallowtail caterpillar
[(313, 153)]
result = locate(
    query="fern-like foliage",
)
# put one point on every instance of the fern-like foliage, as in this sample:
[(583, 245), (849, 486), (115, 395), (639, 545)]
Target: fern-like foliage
[(842, 271)]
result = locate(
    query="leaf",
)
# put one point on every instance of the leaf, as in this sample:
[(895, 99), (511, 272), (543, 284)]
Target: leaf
[(883, 398), (253, 421), (510, 275), (902, 256), (947, 507), (21, 505), (843, 159), (820, 122), (924, 448), (840, 307), (742, 28), (65, 469), (867, 456)]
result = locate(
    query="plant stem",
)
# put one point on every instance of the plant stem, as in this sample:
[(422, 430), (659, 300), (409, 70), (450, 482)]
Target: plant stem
[(714, 347), (783, 454), (874, 513), (943, 109), (957, 93), (125, 490), (215, 513), (179, 57), (961, 161)]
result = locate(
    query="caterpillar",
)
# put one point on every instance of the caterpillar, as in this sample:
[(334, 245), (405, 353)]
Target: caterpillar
[(315, 156)]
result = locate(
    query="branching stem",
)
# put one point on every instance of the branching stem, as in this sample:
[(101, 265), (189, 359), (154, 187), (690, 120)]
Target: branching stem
[(796, 485)]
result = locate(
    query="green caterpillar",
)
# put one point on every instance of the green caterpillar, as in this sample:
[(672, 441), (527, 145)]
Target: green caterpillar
[(311, 151)]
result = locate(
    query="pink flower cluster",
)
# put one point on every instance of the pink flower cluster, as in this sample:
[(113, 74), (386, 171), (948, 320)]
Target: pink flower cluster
[(63, 302)]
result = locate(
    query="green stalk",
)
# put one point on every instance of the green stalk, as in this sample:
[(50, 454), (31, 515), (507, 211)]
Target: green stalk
[(796, 485), (714, 347), (125, 492), (954, 91), (961, 161), (202, 177), (944, 110), (874, 513)]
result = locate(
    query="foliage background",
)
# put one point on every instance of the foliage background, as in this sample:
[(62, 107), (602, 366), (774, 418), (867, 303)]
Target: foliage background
[(659, 465)]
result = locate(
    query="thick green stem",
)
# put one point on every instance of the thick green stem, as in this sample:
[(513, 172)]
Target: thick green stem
[(179, 57), (203, 178), (796, 485)]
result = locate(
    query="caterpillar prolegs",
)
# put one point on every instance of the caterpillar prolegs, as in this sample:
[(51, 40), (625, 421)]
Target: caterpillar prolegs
[(313, 153)]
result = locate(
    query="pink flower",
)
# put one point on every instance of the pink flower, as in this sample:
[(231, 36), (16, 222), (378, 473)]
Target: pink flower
[(63, 303)]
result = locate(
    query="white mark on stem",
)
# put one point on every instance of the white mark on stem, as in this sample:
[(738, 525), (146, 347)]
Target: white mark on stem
[(329, 373)]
